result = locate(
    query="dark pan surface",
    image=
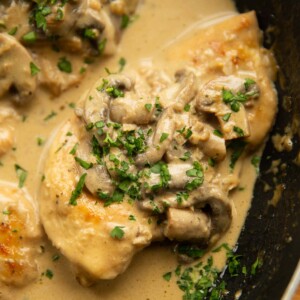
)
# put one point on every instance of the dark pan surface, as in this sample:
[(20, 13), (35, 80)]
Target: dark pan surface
[(271, 232)]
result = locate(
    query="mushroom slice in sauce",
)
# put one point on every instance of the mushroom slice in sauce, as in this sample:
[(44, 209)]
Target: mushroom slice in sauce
[(14, 77)]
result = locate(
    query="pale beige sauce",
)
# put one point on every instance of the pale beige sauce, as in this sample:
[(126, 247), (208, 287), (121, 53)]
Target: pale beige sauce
[(158, 25)]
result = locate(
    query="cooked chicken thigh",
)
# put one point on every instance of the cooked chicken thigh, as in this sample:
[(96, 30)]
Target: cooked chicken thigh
[(20, 232)]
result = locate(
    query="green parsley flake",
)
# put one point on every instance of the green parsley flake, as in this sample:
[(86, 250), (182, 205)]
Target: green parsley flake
[(226, 117), (6, 212), (64, 65), (188, 134), (78, 189), (186, 156), (163, 137), (55, 257), (125, 21), (29, 37), (218, 133), (255, 161), (59, 15), (49, 274), (40, 141), (148, 106), (187, 107), (131, 218), (84, 164), (50, 116), (117, 232), (22, 175), (239, 131), (74, 149), (211, 162), (34, 69), (122, 63), (248, 82), (167, 276), (101, 46), (13, 31)]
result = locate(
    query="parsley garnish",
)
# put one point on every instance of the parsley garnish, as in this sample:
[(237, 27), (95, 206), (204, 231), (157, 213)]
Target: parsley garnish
[(34, 69), (187, 107), (125, 21), (64, 65), (255, 161), (117, 232), (167, 276), (122, 63), (13, 31), (186, 156), (148, 106), (237, 147), (131, 218), (84, 164), (218, 133), (101, 46), (196, 172), (239, 131), (163, 137), (22, 175), (74, 149), (49, 274), (226, 117), (50, 116), (78, 189), (29, 37)]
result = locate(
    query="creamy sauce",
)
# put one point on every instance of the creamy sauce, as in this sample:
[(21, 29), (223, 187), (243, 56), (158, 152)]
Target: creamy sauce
[(159, 24)]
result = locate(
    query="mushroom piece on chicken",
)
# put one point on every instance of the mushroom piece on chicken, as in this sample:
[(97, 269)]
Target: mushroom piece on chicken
[(14, 77), (225, 97)]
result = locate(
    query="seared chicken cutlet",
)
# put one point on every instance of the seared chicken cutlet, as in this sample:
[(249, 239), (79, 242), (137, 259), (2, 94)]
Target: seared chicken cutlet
[(19, 235)]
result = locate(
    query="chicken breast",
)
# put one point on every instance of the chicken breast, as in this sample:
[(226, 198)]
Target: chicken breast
[(19, 235), (100, 241)]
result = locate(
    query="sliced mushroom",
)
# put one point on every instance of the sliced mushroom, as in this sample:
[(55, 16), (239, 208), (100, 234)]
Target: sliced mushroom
[(187, 225), (15, 77), (136, 106), (210, 100), (177, 173), (160, 142), (180, 93), (98, 178)]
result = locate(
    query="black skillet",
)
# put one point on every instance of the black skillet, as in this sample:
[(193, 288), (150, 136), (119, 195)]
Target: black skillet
[(274, 232)]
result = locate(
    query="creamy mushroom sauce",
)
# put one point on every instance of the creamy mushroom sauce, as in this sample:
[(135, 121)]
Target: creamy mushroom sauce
[(160, 25)]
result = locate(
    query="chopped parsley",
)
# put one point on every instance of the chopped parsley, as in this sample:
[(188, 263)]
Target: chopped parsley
[(77, 191), (50, 116), (186, 156), (117, 232), (239, 131), (40, 141), (188, 134), (59, 15), (13, 31), (6, 212), (163, 137), (131, 218), (64, 65), (226, 117), (256, 265), (187, 107), (148, 106), (237, 147), (248, 82), (34, 69), (74, 149), (84, 164), (125, 21), (211, 162), (197, 173), (218, 133), (55, 257), (122, 63), (255, 161), (29, 37), (49, 274), (21, 174), (167, 276), (101, 46), (189, 250)]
